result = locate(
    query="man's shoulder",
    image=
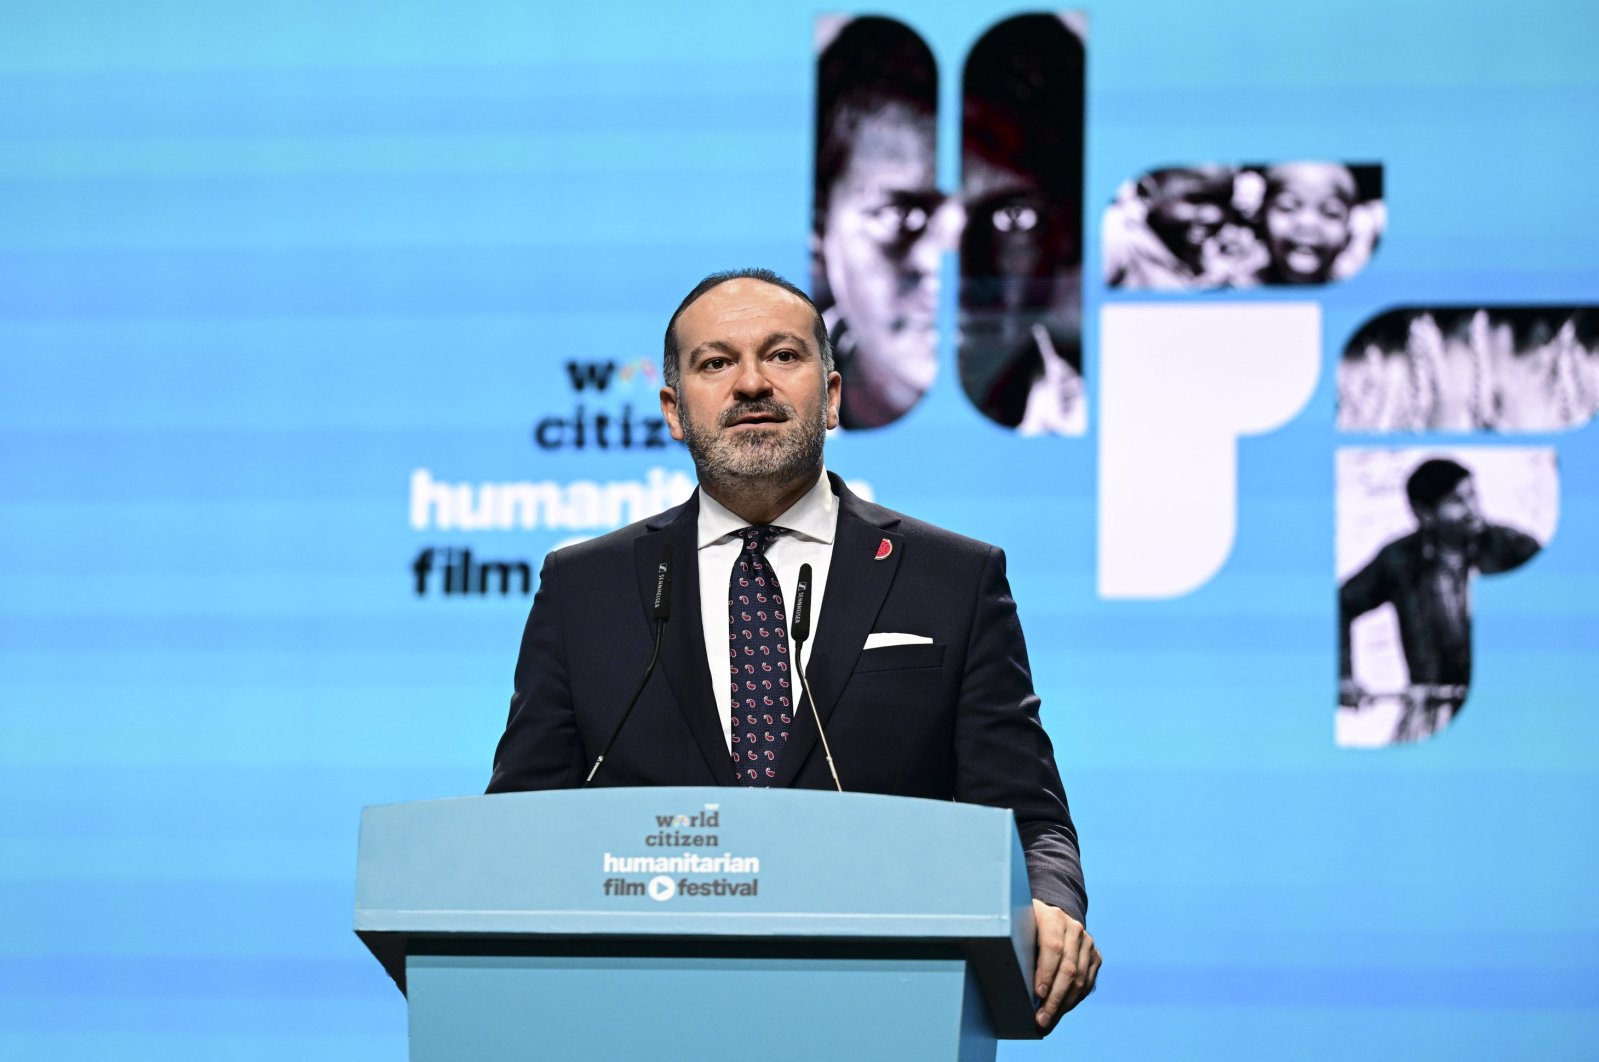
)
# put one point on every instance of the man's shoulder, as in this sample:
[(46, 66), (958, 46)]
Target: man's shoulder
[(612, 545), (920, 532), (609, 547), (1401, 555)]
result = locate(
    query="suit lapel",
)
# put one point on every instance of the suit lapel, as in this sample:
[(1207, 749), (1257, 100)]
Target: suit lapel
[(857, 583), (683, 657)]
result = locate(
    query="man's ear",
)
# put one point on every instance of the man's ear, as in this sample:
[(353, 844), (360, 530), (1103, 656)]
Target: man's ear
[(669, 411), (835, 394)]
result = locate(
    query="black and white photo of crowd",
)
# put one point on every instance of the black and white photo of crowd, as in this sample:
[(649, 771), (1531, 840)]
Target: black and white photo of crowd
[(1471, 369), (1208, 227), (882, 227), (1416, 530)]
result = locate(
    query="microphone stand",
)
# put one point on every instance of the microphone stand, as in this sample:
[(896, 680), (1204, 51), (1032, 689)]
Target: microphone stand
[(801, 630), (660, 625), (662, 610)]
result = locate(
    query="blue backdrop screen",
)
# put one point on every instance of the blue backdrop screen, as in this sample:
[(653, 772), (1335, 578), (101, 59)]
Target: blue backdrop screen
[(320, 326)]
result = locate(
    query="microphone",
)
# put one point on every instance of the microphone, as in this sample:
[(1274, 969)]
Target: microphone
[(660, 611), (800, 629), (663, 585)]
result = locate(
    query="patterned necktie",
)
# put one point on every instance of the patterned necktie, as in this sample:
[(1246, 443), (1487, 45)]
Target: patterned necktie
[(757, 659)]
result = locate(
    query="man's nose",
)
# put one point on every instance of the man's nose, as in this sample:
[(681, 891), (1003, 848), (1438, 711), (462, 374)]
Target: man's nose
[(751, 381)]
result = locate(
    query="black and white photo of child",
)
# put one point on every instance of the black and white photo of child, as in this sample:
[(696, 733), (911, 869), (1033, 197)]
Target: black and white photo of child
[(1208, 227), (1471, 369), (1416, 529)]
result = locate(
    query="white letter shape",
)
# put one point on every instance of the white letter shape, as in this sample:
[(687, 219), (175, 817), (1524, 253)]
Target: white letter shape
[(1179, 385)]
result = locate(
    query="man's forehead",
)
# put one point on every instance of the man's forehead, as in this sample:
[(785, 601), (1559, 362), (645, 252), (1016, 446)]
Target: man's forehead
[(890, 148), (982, 177), (744, 309), (894, 133)]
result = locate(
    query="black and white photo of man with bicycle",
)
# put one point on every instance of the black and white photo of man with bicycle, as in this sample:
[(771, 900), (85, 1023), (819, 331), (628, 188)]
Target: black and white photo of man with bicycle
[(1426, 575)]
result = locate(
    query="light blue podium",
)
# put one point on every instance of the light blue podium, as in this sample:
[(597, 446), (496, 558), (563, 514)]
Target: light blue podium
[(700, 924)]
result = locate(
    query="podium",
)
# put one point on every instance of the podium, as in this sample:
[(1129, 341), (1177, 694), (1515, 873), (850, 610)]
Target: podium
[(700, 924)]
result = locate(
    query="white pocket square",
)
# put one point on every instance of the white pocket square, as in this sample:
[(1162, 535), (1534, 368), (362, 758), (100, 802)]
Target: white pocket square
[(878, 641)]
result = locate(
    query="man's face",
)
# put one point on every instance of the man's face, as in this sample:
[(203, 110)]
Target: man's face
[(884, 233), (1186, 208), (751, 402), (1012, 238), (1457, 514), (1307, 219)]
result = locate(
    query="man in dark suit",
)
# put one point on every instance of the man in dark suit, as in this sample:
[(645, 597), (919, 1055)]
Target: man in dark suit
[(917, 667)]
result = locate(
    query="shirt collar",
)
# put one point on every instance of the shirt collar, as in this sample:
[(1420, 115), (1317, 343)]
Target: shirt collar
[(813, 516)]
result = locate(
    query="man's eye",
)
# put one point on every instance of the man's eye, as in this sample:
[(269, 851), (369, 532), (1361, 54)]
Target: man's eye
[(1015, 219), (785, 355), (913, 218), (897, 221), (711, 364)]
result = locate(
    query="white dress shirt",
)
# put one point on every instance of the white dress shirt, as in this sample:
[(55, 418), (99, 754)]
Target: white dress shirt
[(811, 523)]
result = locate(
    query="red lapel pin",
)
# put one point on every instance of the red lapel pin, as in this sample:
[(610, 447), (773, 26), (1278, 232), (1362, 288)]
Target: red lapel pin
[(884, 548)]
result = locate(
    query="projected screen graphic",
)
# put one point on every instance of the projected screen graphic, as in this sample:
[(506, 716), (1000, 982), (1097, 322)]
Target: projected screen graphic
[(1260, 337)]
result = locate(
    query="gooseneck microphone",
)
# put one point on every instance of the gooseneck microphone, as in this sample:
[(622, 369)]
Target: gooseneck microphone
[(661, 611), (800, 629)]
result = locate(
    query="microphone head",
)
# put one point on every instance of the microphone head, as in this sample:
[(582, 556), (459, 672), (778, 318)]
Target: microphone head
[(800, 615), (663, 584)]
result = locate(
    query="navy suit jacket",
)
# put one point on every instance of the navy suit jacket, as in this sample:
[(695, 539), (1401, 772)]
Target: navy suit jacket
[(956, 719)]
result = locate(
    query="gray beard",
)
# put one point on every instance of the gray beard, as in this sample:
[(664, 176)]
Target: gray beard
[(731, 466)]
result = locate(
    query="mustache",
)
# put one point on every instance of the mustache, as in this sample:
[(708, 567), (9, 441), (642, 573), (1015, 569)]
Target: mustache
[(759, 408)]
